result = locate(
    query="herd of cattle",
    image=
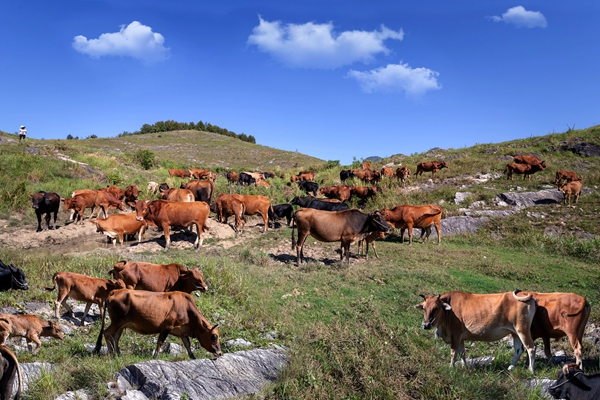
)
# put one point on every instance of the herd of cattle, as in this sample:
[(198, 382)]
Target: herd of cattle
[(155, 299)]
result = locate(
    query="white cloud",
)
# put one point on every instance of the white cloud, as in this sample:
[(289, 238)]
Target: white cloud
[(522, 18), (313, 45), (134, 40), (397, 78)]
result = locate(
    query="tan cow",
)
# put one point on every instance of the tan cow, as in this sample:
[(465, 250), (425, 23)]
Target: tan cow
[(159, 313), (254, 204), (565, 175), (181, 173), (152, 187), (29, 326), (530, 160), (387, 172), (165, 214), (369, 238), (201, 173), (158, 277), (558, 315), (181, 195), (119, 225), (459, 316), (409, 217), (341, 193), (81, 288), (115, 191), (226, 206), (433, 166), (9, 369), (571, 188)]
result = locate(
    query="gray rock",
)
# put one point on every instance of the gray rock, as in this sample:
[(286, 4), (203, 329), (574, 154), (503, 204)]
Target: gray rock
[(490, 213), (172, 348), (477, 204), (134, 395), (529, 199), (459, 197), (30, 372), (32, 150), (234, 374), (544, 384), (238, 342), (457, 225), (586, 149), (78, 395), (273, 335)]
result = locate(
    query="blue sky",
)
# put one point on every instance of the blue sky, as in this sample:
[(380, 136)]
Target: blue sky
[(330, 78)]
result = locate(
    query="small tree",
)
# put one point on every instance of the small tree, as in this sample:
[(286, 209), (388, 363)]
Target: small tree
[(145, 158)]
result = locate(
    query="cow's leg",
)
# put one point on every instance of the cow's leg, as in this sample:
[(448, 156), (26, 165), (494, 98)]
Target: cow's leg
[(374, 250), (265, 216), (48, 216), (39, 218), (162, 336), (4, 334), (167, 232), (186, 344), (410, 233), (200, 237), (438, 229), (402, 235), (55, 214), (120, 239), (32, 337), (85, 313), (300, 246), (112, 339), (521, 339), (346, 245), (576, 344), (547, 348)]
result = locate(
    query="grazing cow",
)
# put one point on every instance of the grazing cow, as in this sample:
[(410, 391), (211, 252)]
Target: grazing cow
[(45, 203), (318, 204), (279, 211), (174, 194), (568, 176), (29, 326), (101, 199), (387, 172), (433, 166), (254, 204), (202, 190), (459, 316), (366, 165), (402, 173), (369, 238), (364, 193), (346, 174), (158, 277), (531, 160), (366, 175), (81, 288), (9, 368), (263, 183), (572, 384), (164, 214), (409, 217), (525, 169), (571, 188), (181, 173), (201, 173), (246, 179), (341, 193), (268, 175), (115, 191), (345, 226), (159, 313), (306, 176), (120, 225), (164, 186), (558, 315), (232, 177), (308, 187), (132, 193), (12, 277), (226, 206), (152, 187)]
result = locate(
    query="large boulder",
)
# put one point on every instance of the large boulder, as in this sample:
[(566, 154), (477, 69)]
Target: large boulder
[(456, 225), (233, 374), (529, 199)]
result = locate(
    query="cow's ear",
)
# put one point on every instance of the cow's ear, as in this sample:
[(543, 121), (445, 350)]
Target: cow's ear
[(420, 306), (214, 327), (446, 306), (131, 204)]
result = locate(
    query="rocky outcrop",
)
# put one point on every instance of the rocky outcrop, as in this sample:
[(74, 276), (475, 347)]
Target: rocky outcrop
[(456, 225), (233, 374), (529, 199)]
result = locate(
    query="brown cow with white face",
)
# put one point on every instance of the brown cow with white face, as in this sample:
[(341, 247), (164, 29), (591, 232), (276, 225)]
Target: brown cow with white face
[(29, 326), (119, 225), (161, 313), (158, 277), (433, 166), (459, 316), (408, 217)]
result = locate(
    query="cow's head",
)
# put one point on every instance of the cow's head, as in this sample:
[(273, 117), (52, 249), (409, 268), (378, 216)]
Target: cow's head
[(444, 164), (68, 203), (434, 308), (18, 280), (209, 339), (571, 377), (378, 223), (386, 214), (141, 209), (122, 205), (38, 199), (114, 284), (195, 279), (52, 330)]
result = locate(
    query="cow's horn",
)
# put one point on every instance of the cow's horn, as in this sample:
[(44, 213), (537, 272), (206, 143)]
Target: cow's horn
[(423, 296)]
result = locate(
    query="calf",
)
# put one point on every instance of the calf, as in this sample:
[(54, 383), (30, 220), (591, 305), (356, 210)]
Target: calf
[(158, 277), (572, 384), (132, 192), (341, 193), (364, 193), (318, 204), (45, 203), (254, 204), (226, 206), (152, 187), (571, 188), (281, 210), (402, 173), (82, 288), (181, 173), (232, 177), (387, 172), (369, 238), (405, 217), (119, 225), (29, 326), (346, 174), (9, 368)]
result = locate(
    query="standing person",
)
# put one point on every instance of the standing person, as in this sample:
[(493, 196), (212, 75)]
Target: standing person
[(22, 133)]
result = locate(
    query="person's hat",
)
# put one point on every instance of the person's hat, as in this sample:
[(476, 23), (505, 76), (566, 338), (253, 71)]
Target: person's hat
[(22, 126)]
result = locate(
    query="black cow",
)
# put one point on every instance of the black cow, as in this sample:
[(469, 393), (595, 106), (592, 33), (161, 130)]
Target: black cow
[(280, 211), (162, 188), (268, 175), (308, 187), (311, 202), (346, 174), (45, 203), (246, 179), (571, 383), (12, 277)]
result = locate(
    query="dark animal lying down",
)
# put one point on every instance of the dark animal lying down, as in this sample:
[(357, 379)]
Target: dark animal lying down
[(12, 277), (571, 383)]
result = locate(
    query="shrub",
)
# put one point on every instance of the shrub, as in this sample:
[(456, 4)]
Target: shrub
[(145, 158)]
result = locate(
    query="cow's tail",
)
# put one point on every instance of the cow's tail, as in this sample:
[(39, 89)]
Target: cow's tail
[(293, 231), (99, 340), (53, 282), (524, 299)]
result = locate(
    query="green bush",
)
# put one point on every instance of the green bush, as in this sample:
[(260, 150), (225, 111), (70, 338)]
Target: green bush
[(145, 158)]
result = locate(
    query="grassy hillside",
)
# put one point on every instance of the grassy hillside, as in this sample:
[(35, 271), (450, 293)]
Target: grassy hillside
[(352, 330)]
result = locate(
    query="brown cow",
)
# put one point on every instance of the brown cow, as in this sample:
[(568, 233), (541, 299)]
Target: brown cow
[(115, 191), (363, 192), (201, 173), (366, 165), (332, 226), (9, 368), (525, 169), (181, 173), (366, 175), (158, 277), (341, 193), (29, 326), (402, 173), (132, 192), (459, 316), (387, 172), (254, 204), (202, 190), (433, 166), (174, 194), (263, 183), (568, 176), (119, 225), (164, 214), (232, 176), (304, 176), (159, 313), (100, 199), (226, 206), (571, 188), (558, 315), (369, 238), (531, 160), (409, 217), (81, 288)]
